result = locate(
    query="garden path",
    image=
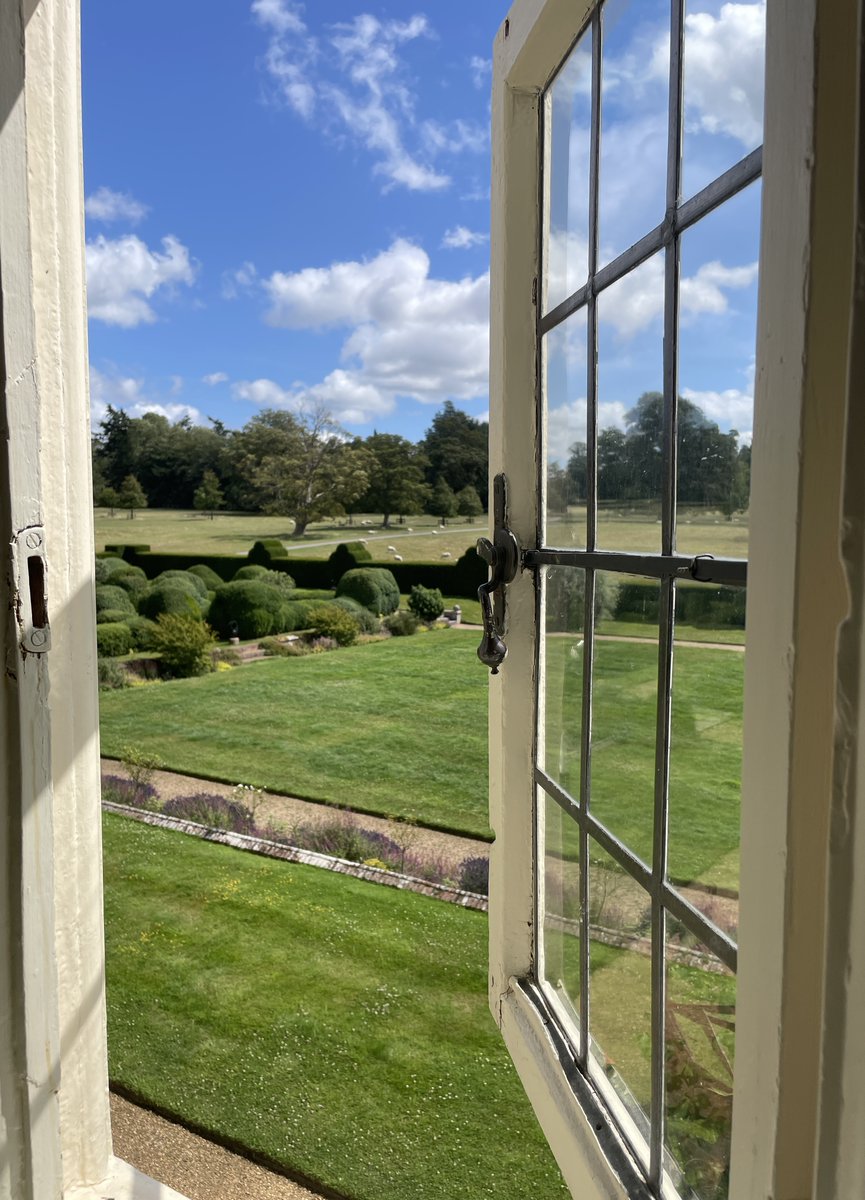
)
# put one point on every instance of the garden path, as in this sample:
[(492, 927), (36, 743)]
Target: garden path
[(288, 811)]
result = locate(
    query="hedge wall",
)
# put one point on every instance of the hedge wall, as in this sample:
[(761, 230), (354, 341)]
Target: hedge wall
[(696, 603), (460, 579)]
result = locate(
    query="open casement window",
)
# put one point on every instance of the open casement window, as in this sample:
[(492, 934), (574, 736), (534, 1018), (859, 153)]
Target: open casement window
[(629, 176)]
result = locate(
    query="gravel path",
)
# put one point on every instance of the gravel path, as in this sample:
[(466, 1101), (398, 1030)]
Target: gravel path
[(198, 1169), (288, 811)]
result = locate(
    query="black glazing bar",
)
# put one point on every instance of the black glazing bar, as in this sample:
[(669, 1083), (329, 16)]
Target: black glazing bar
[(700, 926), (592, 314), (585, 802), (728, 572), (714, 194), (722, 946), (666, 625)]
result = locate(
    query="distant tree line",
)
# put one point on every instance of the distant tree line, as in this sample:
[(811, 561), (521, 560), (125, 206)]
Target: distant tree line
[(305, 466), (714, 470), (299, 465)]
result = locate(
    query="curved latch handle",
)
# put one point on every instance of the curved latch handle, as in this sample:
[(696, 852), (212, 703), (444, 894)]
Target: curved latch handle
[(503, 556)]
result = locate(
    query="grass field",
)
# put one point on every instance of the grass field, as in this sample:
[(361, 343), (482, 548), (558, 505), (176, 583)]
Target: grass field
[(184, 532), (336, 1028), (399, 728)]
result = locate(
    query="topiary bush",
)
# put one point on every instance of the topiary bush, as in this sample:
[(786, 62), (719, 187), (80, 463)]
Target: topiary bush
[(133, 581), (185, 579), (427, 604), (250, 571), (368, 622), (171, 596), (106, 567), (329, 620), (256, 608), (109, 615), (265, 550), (113, 639), (211, 580), (185, 644), (141, 629), (401, 624), (114, 598), (373, 587)]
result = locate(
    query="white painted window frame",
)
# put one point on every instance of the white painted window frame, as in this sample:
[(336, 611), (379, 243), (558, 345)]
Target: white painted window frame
[(788, 1005)]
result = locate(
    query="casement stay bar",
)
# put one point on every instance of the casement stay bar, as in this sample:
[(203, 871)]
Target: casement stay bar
[(702, 568)]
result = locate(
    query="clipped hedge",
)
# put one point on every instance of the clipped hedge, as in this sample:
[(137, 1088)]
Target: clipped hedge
[(171, 596), (187, 580), (142, 630), (250, 571), (114, 598), (113, 639), (108, 616), (704, 604), (207, 574), (373, 587), (368, 622), (106, 565), (266, 550), (256, 609)]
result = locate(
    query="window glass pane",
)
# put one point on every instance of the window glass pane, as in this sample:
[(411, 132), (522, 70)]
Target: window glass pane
[(634, 89), (717, 347), (564, 351), (624, 697), (700, 1037), (724, 69), (567, 264), (561, 907), (706, 749), (620, 992), (630, 407), (564, 592)]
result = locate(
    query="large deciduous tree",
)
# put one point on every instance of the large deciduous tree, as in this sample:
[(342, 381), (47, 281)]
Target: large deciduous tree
[(301, 466), (396, 477)]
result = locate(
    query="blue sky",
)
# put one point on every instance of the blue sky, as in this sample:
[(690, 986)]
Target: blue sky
[(293, 197), (288, 205)]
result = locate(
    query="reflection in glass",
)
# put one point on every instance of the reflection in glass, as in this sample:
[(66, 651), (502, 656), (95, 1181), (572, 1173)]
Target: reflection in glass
[(624, 705), (724, 70), (630, 409), (564, 351), (564, 607), (717, 346), (561, 923), (634, 88), (620, 984), (706, 748), (567, 263), (700, 1041)]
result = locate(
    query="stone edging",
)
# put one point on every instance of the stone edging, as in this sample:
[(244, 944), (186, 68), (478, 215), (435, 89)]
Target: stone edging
[(309, 858)]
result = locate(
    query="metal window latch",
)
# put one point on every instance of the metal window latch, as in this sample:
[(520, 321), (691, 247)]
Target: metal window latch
[(503, 556), (31, 597)]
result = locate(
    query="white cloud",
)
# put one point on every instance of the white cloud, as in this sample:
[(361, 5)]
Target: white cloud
[(214, 378), (724, 70), (408, 334), (352, 81), (481, 69), (106, 205), (126, 393), (566, 424), (460, 238), (632, 304), (241, 279), (123, 274), (730, 409)]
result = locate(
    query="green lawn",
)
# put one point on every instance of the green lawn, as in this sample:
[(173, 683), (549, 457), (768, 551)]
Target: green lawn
[(334, 1027), (399, 727), (395, 727)]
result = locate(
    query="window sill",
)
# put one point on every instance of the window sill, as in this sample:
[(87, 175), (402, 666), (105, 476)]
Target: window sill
[(123, 1182)]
